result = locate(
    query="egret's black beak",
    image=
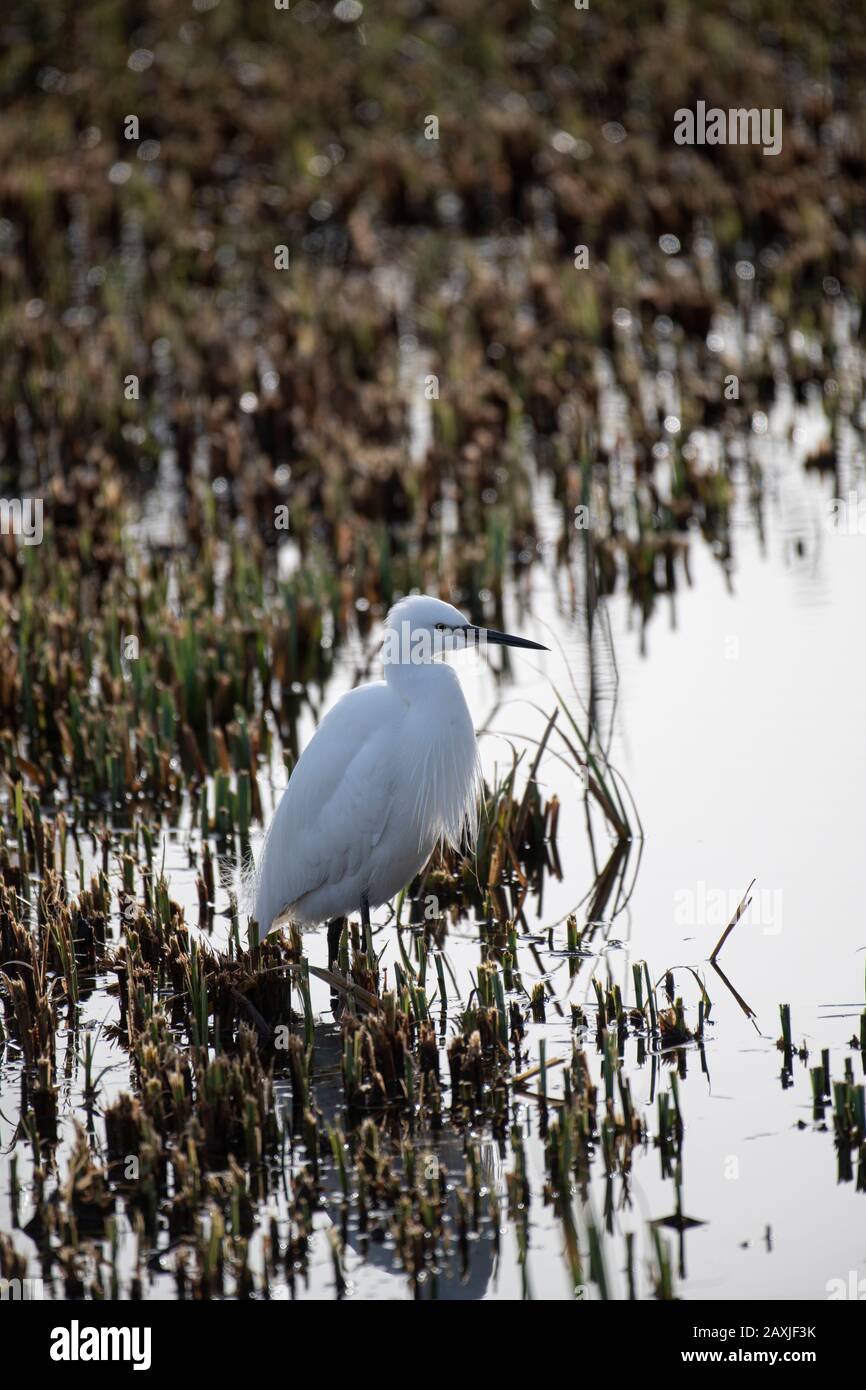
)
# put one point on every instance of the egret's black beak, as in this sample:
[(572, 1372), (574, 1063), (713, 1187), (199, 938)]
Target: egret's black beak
[(504, 639)]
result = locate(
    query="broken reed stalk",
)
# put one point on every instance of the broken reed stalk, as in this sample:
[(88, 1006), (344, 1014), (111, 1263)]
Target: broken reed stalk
[(744, 903), (339, 982)]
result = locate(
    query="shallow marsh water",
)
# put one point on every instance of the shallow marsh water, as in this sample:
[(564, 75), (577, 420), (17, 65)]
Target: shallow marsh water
[(740, 733), (734, 714), (735, 717)]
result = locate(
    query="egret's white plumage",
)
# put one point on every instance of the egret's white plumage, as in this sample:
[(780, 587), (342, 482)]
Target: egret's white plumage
[(392, 770)]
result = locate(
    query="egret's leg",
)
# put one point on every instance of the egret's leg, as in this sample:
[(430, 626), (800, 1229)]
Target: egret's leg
[(335, 931), (366, 933)]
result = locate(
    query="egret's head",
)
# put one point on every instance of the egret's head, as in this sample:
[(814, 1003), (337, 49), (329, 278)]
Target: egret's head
[(419, 628)]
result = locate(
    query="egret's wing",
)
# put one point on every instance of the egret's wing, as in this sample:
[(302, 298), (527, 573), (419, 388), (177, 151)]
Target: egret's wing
[(336, 806)]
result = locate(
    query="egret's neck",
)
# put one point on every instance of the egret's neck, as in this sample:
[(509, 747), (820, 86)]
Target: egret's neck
[(412, 680), (408, 659)]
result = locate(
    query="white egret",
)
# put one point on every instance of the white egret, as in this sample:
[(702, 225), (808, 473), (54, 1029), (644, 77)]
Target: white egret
[(392, 770)]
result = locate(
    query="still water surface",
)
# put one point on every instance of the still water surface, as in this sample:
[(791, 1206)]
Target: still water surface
[(736, 717)]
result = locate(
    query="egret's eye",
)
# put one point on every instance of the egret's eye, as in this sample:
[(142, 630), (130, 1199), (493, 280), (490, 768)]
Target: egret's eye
[(442, 627)]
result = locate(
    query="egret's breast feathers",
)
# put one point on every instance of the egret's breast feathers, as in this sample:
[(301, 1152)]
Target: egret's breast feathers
[(449, 779)]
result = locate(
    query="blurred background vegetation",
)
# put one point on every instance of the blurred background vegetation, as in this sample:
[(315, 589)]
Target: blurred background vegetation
[(166, 387)]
